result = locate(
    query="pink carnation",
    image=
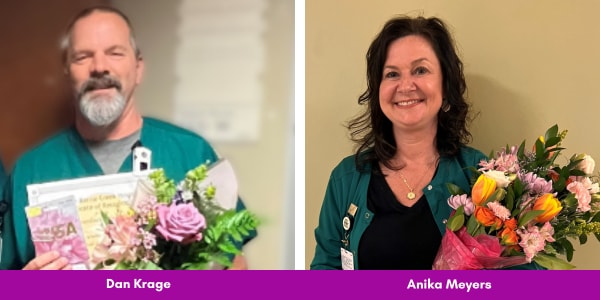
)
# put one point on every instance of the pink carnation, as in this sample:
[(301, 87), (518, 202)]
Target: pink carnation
[(582, 194), (499, 210)]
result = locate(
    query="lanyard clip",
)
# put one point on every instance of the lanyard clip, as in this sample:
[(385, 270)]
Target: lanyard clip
[(347, 223), (142, 158)]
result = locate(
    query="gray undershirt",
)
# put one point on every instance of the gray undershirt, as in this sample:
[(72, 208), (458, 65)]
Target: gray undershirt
[(111, 154)]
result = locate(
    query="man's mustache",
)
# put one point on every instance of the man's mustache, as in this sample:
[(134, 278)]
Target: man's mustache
[(103, 81)]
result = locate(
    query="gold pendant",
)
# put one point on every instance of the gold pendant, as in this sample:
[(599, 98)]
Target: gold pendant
[(411, 195)]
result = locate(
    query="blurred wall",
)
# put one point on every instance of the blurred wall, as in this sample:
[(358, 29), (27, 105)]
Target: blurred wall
[(263, 164), (528, 65), (35, 92)]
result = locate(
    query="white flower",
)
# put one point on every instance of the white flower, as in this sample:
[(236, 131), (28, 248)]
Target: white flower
[(587, 165), (501, 179), (187, 195), (590, 186)]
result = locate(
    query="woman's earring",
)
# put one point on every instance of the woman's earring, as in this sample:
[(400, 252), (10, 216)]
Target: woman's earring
[(446, 106)]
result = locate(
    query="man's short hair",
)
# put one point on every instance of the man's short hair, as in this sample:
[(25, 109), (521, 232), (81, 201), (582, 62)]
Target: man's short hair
[(65, 43)]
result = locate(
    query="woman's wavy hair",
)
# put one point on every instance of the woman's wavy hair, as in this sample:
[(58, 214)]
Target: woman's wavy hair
[(372, 130)]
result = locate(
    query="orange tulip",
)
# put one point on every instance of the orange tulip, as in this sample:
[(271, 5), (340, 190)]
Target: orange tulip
[(486, 217), (549, 204), (509, 236), (482, 189)]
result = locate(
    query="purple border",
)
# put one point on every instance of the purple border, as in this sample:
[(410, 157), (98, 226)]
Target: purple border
[(505, 284)]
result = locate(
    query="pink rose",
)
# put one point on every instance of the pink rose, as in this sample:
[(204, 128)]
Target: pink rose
[(182, 223)]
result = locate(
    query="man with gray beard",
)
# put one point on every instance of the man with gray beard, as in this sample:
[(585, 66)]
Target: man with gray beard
[(105, 66)]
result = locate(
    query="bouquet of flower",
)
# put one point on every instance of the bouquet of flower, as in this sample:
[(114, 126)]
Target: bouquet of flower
[(523, 206), (173, 227)]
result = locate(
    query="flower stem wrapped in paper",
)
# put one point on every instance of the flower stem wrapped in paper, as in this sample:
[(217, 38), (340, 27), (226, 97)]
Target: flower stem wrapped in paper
[(523, 207), (173, 227)]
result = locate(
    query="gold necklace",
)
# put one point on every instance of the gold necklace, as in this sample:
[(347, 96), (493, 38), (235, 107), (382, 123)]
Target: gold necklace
[(411, 192)]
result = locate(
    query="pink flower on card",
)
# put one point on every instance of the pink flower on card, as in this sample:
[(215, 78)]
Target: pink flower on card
[(180, 222), (51, 225), (74, 249)]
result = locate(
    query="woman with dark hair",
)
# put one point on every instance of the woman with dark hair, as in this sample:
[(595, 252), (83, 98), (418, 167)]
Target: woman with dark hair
[(385, 207)]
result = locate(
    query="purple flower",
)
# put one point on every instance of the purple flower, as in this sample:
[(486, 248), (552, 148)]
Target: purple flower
[(458, 200), (536, 185), (182, 223)]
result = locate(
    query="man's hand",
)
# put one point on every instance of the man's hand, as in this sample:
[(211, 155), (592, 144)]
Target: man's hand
[(239, 263), (48, 261)]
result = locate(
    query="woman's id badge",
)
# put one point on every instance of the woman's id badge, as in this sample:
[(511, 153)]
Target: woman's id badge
[(347, 260)]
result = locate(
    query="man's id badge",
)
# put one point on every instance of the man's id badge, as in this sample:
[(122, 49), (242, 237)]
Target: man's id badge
[(347, 260)]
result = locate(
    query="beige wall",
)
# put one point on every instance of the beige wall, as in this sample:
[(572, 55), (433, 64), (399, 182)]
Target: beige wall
[(263, 167), (528, 64)]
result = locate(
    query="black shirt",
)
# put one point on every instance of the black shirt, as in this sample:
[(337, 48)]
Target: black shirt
[(399, 237)]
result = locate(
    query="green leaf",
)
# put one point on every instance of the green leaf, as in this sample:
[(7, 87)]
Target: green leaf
[(521, 151), (510, 199), (528, 216), (549, 249), (228, 247), (570, 201), (553, 141), (539, 151), (551, 132), (202, 265), (573, 163), (105, 219), (222, 260), (518, 187), (582, 239), (576, 172), (596, 217), (454, 189), (552, 262), (456, 221), (150, 266), (497, 195), (568, 249), (473, 227)]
